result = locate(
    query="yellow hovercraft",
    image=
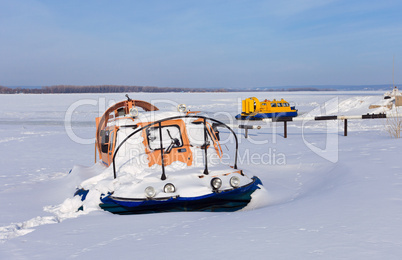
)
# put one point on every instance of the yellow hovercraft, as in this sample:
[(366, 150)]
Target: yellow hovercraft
[(253, 109)]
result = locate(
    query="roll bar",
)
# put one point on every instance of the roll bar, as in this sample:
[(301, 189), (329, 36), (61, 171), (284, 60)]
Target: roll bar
[(159, 123)]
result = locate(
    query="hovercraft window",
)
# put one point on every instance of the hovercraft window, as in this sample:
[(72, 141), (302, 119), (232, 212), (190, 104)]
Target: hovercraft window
[(104, 140), (170, 135), (196, 135)]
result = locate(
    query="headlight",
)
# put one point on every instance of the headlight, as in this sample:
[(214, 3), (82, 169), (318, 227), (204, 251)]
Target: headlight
[(235, 182), (133, 112), (182, 108), (169, 188), (150, 192), (216, 183)]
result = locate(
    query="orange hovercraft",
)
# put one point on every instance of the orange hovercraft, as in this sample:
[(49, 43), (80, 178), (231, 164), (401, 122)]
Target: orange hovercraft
[(159, 161)]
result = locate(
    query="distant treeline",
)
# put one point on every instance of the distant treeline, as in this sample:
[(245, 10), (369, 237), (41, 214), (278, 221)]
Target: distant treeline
[(294, 89), (61, 89)]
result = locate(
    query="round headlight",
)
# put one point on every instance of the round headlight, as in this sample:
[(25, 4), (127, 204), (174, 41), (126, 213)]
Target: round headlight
[(150, 192), (235, 182), (182, 108), (216, 183), (133, 112), (169, 188)]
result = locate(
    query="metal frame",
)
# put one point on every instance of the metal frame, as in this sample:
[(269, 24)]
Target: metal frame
[(159, 122)]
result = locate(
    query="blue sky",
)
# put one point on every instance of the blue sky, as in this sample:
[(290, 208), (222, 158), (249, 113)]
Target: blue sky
[(230, 44)]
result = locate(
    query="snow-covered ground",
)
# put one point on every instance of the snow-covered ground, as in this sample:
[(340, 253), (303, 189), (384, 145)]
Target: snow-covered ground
[(328, 196)]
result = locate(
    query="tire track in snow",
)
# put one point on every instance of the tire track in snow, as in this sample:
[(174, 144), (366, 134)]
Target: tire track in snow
[(20, 229), (66, 210)]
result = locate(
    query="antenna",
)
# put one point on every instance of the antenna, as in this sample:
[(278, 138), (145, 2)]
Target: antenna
[(393, 65)]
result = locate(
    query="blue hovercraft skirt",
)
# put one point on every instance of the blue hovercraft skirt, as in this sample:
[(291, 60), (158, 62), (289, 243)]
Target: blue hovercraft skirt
[(261, 116), (223, 201)]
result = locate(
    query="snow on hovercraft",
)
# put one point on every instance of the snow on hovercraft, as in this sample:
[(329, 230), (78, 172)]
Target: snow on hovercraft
[(164, 161)]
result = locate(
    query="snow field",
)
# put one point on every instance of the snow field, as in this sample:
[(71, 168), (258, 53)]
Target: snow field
[(311, 208)]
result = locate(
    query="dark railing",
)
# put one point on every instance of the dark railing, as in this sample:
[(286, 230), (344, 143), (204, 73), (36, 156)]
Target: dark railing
[(159, 122)]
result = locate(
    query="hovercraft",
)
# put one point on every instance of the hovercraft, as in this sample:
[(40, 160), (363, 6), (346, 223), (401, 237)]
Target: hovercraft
[(163, 162), (253, 109), (392, 94)]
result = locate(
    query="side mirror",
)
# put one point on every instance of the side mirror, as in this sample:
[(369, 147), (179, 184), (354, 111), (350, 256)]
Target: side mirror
[(175, 142)]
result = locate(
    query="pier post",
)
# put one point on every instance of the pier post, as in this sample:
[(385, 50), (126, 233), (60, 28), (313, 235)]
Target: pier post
[(285, 129), (246, 128), (345, 127)]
